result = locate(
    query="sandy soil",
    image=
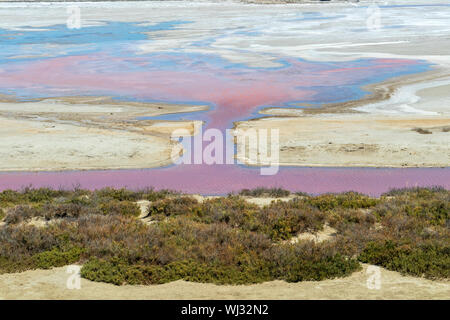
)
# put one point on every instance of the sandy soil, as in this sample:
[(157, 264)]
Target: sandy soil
[(359, 140), (51, 284), (404, 122), (86, 133), (327, 233), (259, 201)]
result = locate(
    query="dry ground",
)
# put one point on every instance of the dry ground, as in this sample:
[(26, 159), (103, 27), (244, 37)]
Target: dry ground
[(405, 122), (359, 140), (51, 284), (86, 133)]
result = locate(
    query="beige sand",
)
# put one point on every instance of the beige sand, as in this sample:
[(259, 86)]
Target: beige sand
[(379, 130), (359, 140), (51, 284), (259, 201), (86, 133), (327, 233)]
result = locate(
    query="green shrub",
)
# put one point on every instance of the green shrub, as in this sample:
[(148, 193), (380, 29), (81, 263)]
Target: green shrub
[(42, 194), (224, 240), (416, 192), (13, 266), (124, 208), (128, 195), (118, 272), (28, 195), (431, 261), (309, 262), (232, 210), (329, 268), (431, 205), (283, 220), (174, 207), (22, 213), (113, 271), (56, 258), (10, 198), (279, 220), (347, 200), (265, 192), (65, 210), (152, 195), (118, 194), (340, 218)]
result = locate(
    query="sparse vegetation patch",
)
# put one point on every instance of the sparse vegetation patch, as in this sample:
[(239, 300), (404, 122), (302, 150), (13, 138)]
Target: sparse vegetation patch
[(224, 240)]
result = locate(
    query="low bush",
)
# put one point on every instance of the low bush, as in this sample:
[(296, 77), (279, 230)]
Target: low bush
[(224, 240), (422, 130), (282, 220), (173, 207), (428, 260), (232, 210), (30, 195), (118, 272), (10, 198), (279, 220), (340, 218), (431, 205), (128, 195), (294, 268), (265, 192), (118, 194), (56, 258), (308, 261), (22, 213), (347, 200), (124, 208)]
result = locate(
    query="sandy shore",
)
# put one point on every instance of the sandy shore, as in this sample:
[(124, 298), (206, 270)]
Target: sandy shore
[(86, 133), (51, 284), (404, 122), (358, 140)]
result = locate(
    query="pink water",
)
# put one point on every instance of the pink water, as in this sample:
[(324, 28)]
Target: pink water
[(213, 180)]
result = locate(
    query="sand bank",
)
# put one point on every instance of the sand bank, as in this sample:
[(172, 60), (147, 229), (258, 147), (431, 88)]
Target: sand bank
[(403, 122), (86, 133), (355, 140), (51, 284)]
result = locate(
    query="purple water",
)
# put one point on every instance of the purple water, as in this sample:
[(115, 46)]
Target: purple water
[(210, 180)]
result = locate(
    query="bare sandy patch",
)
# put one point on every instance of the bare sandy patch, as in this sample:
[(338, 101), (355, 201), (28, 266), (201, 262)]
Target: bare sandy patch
[(327, 233), (358, 140), (259, 201), (87, 133), (143, 207), (265, 201), (51, 284)]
